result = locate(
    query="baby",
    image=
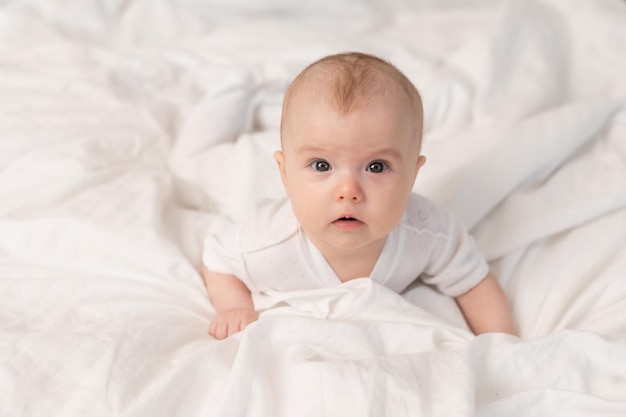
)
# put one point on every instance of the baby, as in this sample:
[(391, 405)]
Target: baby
[(351, 135)]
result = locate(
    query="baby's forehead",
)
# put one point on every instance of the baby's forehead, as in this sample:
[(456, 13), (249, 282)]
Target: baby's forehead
[(325, 89)]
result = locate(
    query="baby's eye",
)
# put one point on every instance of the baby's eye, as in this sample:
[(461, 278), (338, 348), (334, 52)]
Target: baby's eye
[(320, 165), (377, 167)]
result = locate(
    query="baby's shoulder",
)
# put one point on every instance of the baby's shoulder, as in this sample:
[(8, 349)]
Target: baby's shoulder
[(271, 223), (424, 216)]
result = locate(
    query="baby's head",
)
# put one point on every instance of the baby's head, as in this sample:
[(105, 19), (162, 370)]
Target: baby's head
[(351, 134), (350, 80)]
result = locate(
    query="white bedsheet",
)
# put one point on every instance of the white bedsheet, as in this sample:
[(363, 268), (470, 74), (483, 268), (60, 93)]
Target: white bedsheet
[(128, 129)]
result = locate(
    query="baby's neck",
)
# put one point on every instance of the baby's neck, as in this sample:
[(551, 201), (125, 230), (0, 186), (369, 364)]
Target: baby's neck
[(352, 264)]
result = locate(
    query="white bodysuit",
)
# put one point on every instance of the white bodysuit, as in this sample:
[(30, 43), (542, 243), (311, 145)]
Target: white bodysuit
[(270, 251)]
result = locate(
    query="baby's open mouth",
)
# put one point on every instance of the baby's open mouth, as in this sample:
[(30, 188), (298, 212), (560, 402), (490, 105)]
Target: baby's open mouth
[(347, 223)]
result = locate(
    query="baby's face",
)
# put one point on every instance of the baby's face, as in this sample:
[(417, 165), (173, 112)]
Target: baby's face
[(348, 176)]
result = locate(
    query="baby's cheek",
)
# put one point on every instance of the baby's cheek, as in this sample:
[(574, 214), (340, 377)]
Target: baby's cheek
[(306, 214), (392, 214)]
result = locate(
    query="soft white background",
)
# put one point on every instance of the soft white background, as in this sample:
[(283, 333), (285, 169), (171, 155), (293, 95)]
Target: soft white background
[(129, 129)]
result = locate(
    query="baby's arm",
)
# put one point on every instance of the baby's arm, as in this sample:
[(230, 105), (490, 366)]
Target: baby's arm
[(232, 301), (486, 308)]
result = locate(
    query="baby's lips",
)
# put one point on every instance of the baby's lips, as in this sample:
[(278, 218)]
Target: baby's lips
[(348, 223)]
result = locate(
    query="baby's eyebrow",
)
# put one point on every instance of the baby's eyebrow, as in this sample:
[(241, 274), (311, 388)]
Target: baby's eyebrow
[(390, 152), (311, 149), (373, 154)]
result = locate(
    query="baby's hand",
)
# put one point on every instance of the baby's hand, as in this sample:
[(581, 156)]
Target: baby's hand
[(229, 322)]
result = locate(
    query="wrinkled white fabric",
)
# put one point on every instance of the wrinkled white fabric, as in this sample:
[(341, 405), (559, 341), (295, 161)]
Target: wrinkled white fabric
[(130, 129)]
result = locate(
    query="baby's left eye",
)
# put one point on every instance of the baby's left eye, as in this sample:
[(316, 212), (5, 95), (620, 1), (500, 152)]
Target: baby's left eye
[(377, 167)]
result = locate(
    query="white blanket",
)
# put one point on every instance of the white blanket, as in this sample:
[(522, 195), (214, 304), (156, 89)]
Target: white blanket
[(129, 129)]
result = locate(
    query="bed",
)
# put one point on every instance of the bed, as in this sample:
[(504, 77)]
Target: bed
[(131, 128)]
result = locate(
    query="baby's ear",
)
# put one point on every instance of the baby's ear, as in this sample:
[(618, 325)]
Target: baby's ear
[(280, 160), (420, 162)]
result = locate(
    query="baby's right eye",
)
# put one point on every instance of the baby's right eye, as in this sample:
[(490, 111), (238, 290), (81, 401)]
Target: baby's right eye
[(320, 165)]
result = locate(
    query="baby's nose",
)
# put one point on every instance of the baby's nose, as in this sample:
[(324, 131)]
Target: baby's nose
[(349, 190)]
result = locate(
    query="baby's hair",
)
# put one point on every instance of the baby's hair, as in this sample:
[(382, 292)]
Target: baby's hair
[(350, 79)]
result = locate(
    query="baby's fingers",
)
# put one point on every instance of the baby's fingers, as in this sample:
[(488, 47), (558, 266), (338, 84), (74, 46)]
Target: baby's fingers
[(219, 329), (230, 322)]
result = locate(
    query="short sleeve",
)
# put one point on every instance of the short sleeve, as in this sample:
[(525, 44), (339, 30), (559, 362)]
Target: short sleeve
[(456, 265), (221, 252)]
